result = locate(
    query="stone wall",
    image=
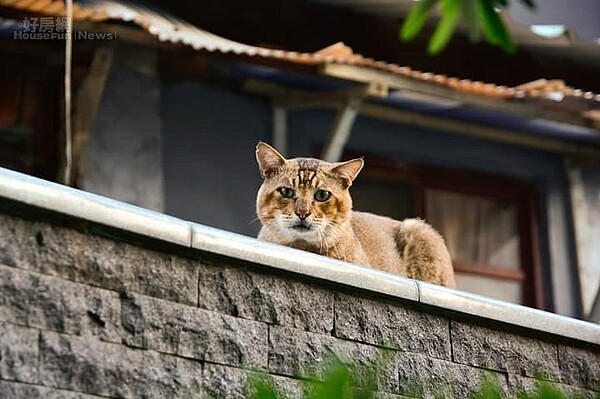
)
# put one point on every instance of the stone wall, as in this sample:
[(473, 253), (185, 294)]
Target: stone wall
[(82, 315)]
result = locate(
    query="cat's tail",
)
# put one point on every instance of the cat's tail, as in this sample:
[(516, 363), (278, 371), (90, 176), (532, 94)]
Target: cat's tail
[(424, 253)]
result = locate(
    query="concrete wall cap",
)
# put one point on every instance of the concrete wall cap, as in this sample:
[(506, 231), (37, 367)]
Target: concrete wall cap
[(305, 263), (97, 209), (94, 208), (510, 313)]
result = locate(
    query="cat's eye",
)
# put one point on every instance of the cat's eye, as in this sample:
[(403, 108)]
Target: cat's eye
[(322, 195), (286, 192)]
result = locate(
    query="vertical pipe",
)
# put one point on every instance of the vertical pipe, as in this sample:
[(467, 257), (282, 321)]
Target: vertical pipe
[(68, 130)]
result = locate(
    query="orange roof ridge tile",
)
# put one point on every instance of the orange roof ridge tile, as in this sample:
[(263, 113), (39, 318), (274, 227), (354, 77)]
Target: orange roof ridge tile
[(338, 50)]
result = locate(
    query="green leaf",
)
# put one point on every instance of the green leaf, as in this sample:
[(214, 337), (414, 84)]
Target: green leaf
[(416, 19), (546, 391), (262, 388), (336, 383), (493, 27), (451, 10), (472, 20), (489, 389)]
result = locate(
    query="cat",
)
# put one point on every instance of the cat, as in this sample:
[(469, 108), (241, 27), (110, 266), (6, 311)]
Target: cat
[(305, 203)]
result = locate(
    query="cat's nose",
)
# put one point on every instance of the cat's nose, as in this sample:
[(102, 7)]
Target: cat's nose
[(302, 208), (302, 213)]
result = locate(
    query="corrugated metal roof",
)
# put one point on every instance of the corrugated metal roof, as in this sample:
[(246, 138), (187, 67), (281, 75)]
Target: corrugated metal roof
[(168, 28), (8, 26)]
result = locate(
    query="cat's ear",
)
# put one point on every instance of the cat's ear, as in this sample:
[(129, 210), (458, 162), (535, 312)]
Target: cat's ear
[(348, 170), (269, 160)]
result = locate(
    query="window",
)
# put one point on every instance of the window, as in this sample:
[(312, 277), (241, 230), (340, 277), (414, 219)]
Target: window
[(488, 222)]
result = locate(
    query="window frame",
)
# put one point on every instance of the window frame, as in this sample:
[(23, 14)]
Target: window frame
[(520, 194)]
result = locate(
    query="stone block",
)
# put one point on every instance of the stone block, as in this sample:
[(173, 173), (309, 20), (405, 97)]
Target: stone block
[(297, 353), (233, 383), (51, 303), (290, 388), (16, 390), (391, 325), (96, 261), (107, 369), (518, 384), (19, 349), (193, 333), (500, 351), (271, 299), (222, 382), (579, 367), (425, 377), (294, 352)]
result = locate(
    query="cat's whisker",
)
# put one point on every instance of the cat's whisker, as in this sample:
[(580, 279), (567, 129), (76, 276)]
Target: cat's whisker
[(254, 220), (318, 226), (319, 235), (322, 242), (270, 223)]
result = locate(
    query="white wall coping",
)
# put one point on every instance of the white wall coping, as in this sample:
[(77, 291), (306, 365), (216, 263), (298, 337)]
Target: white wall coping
[(94, 208)]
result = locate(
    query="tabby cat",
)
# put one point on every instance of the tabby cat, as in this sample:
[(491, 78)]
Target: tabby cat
[(305, 203)]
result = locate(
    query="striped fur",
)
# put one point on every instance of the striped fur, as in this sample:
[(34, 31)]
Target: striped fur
[(411, 247)]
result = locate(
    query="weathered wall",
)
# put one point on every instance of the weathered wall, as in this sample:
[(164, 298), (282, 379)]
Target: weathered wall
[(86, 316), (123, 158), (210, 167)]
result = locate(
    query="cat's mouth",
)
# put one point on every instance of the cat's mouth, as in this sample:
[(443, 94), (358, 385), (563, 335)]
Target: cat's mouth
[(302, 225)]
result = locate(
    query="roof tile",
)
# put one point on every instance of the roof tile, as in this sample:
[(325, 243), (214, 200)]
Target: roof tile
[(168, 28)]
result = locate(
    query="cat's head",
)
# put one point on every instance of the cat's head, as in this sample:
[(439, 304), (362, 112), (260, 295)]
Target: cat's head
[(303, 199)]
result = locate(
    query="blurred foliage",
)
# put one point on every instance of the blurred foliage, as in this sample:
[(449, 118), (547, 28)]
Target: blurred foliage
[(339, 381), (480, 16), (342, 381)]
